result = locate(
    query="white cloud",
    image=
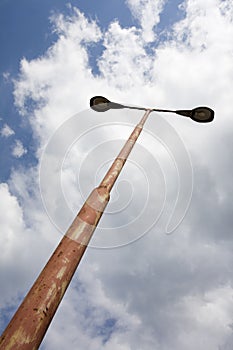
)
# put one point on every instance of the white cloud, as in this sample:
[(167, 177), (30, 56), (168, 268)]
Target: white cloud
[(61, 74), (17, 240), (172, 291), (6, 76), (18, 149), (6, 131), (123, 56), (148, 13)]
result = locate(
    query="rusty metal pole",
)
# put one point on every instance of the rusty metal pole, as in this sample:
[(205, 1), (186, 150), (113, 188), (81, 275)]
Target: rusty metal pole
[(30, 322)]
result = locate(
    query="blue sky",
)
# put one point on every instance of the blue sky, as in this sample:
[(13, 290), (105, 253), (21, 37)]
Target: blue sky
[(153, 290)]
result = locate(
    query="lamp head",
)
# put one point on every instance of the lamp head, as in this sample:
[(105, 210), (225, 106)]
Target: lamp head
[(199, 114), (102, 104), (99, 104)]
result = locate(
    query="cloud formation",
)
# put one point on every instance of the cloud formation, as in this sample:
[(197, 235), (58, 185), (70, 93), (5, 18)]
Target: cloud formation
[(6, 131), (18, 150), (148, 14), (162, 291)]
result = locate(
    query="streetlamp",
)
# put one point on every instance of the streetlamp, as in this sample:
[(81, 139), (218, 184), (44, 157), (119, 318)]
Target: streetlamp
[(30, 322), (198, 114)]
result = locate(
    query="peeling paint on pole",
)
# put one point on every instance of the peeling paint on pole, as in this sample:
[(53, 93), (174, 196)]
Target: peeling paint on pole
[(30, 322)]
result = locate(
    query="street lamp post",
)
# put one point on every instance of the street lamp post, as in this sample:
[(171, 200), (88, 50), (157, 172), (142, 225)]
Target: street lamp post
[(30, 322)]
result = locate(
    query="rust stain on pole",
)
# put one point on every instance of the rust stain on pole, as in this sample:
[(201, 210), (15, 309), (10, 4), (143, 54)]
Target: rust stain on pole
[(30, 322)]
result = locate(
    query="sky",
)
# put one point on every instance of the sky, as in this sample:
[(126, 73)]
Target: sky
[(158, 271)]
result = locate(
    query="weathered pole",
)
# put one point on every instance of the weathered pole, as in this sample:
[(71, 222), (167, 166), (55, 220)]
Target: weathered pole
[(30, 322)]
